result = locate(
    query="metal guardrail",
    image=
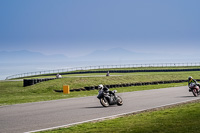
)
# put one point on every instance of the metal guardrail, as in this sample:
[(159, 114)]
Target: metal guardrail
[(102, 67)]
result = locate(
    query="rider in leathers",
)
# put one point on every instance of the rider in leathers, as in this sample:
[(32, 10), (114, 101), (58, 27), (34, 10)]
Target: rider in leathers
[(191, 80), (102, 89)]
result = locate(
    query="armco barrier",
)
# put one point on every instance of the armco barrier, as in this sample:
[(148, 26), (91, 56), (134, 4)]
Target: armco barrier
[(127, 71), (68, 70)]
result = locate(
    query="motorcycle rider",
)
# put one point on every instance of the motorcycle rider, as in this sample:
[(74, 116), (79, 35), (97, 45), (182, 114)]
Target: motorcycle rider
[(191, 80), (102, 89)]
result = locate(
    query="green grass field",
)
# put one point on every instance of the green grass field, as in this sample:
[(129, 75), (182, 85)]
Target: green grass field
[(14, 92), (79, 82)]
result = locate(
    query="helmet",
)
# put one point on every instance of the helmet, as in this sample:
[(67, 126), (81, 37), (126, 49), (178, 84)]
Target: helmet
[(100, 87), (190, 77)]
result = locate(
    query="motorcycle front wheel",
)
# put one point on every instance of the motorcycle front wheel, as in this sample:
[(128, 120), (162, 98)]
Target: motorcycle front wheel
[(104, 102), (195, 92), (119, 101)]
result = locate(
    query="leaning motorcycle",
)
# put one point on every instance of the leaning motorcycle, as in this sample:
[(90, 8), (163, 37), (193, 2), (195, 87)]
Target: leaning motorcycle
[(194, 89), (109, 98)]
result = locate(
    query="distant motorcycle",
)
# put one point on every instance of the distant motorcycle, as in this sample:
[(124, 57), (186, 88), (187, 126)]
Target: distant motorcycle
[(107, 98), (194, 89)]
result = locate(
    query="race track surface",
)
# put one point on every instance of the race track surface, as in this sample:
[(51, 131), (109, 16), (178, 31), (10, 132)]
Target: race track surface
[(42, 115)]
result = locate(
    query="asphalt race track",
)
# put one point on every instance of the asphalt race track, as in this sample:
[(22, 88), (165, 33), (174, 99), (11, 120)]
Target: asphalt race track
[(58, 113)]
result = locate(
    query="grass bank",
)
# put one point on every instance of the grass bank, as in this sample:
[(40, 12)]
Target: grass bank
[(14, 92), (79, 82), (66, 74), (181, 119)]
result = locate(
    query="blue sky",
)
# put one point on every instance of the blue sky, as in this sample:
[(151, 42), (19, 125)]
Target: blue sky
[(79, 27)]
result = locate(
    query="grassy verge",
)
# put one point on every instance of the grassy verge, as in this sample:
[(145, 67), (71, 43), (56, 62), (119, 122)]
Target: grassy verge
[(14, 92), (180, 119), (79, 82), (109, 69)]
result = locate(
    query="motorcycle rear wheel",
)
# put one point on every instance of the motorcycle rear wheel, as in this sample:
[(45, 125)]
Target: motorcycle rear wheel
[(119, 101), (195, 92), (104, 102)]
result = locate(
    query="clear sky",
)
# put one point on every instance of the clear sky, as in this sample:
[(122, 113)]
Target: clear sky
[(78, 27)]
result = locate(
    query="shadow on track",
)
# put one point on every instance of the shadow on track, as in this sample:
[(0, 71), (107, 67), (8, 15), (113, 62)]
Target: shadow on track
[(101, 107), (185, 96), (95, 107)]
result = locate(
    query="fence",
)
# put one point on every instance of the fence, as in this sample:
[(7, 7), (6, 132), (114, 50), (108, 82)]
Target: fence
[(102, 67)]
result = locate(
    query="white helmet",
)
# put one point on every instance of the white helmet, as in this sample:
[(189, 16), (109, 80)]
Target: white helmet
[(100, 87)]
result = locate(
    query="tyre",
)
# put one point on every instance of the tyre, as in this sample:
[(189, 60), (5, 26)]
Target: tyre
[(119, 101), (195, 93), (104, 102)]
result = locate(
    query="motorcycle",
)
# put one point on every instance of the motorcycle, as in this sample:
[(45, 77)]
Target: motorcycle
[(107, 98), (194, 89)]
